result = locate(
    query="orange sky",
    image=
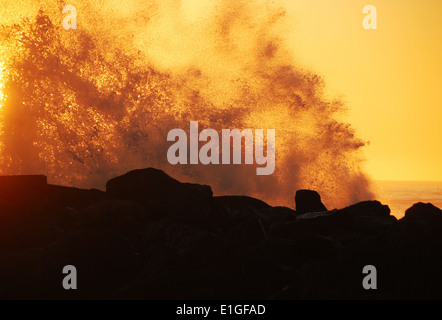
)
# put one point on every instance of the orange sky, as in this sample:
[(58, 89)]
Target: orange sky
[(389, 77)]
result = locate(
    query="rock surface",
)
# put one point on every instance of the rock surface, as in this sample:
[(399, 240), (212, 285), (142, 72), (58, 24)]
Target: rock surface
[(23, 189), (308, 201), (150, 236)]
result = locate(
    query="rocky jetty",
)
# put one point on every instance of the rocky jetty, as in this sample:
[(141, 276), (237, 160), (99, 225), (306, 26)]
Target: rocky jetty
[(149, 236)]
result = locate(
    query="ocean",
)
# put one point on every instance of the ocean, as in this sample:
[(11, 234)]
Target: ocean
[(401, 195)]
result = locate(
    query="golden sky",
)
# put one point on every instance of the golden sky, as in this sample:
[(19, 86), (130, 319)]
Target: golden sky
[(390, 78)]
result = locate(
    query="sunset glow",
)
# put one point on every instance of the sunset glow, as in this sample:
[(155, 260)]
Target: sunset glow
[(348, 104), (389, 77), (2, 85)]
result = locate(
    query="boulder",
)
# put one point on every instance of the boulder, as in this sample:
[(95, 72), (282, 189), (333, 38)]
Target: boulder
[(239, 202), (423, 211), (308, 201), (424, 219), (110, 215), (152, 183), (158, 238), (73, 197), (316, 247), (367, 208), (25, 189)]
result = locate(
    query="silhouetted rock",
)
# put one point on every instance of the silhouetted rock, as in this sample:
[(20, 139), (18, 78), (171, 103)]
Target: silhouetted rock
[(368, 215), (423, 212), (273, 215), (367, 208), (73, 197), (422, 221), (316, 247), (152, 183), (22, 189), (239, 202), (150, 236), (308, 201)]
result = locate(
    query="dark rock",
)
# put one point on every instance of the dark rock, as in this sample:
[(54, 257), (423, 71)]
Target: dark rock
[(152, 183), (370, 217), (283, 229), (423, 211), (304, 284), (273, 214), (73, 197), (308, 201), (247, 233), (202, 190), (260, 279), (323, 223), (279, 250), (422, 221), (367, 208), (239, 202), (361, 217), (110, 215), (160, 208), (374, 222), (22, 190), (195, 246), (150, 236), (316, 247)]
